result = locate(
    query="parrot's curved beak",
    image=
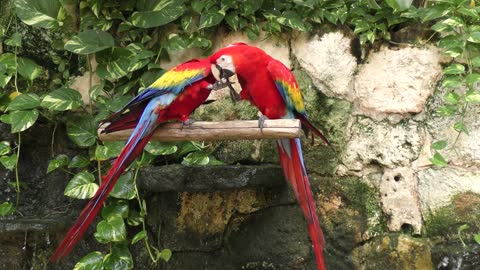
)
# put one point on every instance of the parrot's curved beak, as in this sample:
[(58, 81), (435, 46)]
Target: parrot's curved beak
[(224, 73)]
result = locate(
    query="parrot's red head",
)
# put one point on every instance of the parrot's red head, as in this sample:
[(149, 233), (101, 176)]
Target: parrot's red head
[(229, 59)]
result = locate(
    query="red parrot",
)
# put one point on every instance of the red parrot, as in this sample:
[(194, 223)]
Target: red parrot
[(173, 96), (271, 87)]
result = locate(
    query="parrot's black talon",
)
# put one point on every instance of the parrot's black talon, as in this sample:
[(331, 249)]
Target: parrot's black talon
[(233, 94), (261, 122), (220, 85), (187, 123)]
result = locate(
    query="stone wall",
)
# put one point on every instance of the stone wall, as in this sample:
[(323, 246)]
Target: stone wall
[(381, 203)]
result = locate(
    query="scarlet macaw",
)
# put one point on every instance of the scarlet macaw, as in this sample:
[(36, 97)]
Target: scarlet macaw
[(271, 87), (173, 96)]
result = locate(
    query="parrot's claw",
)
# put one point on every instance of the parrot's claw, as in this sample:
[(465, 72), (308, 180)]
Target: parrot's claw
[(187, 123), (261, 122), (220, 85), (233, 94)]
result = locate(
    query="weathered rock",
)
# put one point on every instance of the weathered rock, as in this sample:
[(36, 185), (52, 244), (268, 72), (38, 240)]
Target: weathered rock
[(394, 252), (467, 149), (437, 186), (271, 239), (82, 85), (397, 81), (399, 198), (328, 60), (381, 143), (207, 178)]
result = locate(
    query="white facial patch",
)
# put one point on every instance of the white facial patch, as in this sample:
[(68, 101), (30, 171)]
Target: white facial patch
[(226, 62)]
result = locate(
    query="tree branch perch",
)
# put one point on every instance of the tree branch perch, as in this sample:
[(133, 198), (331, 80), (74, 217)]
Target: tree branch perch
[(214, 131)]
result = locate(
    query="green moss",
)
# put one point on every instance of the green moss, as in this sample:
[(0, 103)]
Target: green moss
[(225, 109), (444, 221), (350, 210), (393, 251)]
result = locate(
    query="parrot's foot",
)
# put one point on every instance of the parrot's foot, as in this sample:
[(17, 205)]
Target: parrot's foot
[(233, 94), (220, 85), (261, 122), (187, 123)]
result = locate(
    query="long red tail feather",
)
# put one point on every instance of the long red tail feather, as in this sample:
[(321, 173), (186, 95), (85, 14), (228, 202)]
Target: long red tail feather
[(291, 159), (128, 154)]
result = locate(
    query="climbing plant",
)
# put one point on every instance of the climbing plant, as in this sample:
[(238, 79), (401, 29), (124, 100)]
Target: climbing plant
[(122, 41)]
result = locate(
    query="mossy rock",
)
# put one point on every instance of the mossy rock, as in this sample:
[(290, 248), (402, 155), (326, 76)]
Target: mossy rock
[(349, 209), (395, 252), (445, 221)]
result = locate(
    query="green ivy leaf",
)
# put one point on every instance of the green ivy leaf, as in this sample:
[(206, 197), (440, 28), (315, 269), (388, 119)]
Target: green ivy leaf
[(211, 18), (79, 161), (476, 237), (293, 20), (4, 148), (472, 79), (472, 96), (454, 52), (233, 20), (41, 13), (451, 41), (120, 258), (111, 230), (62, 99), (119, 208), (399, 5), (161, 148), (165, 254), (57, 162), (452, 97), (157, 13), (15, 40), (90, 41), (460, 127), (139, 236), (447, 110), (23, 119), (91, 261), (28, 69), (4, 79), (82, 186), (24, 102), (134, 218), (9, 162), (438, 160), (125, 187), (373, 4), (6, 208), (441, 27), (454, 69), (196, 158), (250, 6), (439, 145), (476, 61), (452, 82), (474, 37), (82, 131), (108, 150), (114, 64), (454, 22)]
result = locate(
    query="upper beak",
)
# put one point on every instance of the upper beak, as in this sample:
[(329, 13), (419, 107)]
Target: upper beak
[(224, 73)]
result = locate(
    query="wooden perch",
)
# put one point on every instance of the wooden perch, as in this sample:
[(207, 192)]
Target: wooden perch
[(213, 131)]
